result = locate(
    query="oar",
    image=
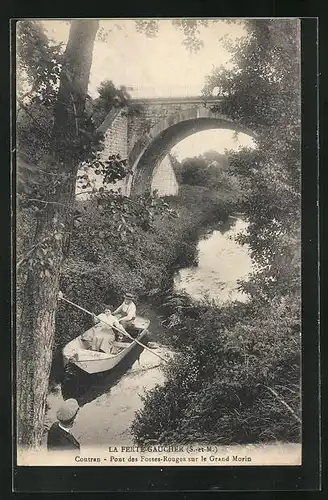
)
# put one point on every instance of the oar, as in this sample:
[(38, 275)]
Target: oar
[(114, 327)]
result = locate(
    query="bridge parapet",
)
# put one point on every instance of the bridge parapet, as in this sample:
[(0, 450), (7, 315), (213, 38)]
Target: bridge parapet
[(176, 100), (153, 110)]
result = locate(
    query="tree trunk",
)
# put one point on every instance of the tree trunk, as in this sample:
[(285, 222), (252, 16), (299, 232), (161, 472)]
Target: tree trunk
[(35, 333)]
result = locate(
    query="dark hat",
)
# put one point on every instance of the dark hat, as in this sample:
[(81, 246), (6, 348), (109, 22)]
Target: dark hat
[(68, 410)]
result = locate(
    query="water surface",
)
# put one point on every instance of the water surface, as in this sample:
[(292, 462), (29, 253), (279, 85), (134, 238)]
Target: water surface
[(109, 402), (221, 263)]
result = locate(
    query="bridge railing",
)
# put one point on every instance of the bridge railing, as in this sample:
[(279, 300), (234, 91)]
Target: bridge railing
[(176, 100)]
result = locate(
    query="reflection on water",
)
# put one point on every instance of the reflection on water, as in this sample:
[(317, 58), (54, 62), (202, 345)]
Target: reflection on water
[(221, 263)]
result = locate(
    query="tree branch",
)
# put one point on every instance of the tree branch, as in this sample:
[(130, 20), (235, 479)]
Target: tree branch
[(282, 401), (23, 259), (34, 119), (46, 202), (86, 192)]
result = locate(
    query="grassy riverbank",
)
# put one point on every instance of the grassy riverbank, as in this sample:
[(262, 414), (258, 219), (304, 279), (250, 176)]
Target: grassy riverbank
[(235, 377), (98, 270)]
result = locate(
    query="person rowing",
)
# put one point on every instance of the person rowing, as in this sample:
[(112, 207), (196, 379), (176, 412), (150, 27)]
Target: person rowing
[(136, 340), (127, 311)]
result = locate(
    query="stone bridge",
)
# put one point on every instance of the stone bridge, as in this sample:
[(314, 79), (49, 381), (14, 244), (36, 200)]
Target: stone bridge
[(147, 135)]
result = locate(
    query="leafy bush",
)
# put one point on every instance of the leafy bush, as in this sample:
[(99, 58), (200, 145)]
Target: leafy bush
[(218, 386), (211, 170), (101, 267), (236, 377)]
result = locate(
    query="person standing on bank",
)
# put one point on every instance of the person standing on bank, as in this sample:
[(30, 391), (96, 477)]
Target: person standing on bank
[(59, 434), (127, 311)]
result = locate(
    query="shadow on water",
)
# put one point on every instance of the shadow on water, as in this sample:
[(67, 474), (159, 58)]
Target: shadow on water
[(225, 225), (228, 224), (85, 387)]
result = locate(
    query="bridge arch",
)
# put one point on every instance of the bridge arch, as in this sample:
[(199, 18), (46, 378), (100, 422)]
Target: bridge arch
[(150, 149)]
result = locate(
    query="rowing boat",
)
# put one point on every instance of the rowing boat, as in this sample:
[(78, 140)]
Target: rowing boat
[(96, 362)]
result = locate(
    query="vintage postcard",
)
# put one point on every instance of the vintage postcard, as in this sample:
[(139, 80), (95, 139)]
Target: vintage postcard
[(158, 215)]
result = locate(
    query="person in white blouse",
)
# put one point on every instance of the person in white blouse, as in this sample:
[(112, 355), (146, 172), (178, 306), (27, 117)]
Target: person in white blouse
[(105, 336), (127, 311)]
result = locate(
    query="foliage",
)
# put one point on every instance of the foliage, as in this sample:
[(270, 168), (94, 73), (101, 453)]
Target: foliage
[(102, 265), (210, 170), (268, 61), (111, 97), (147, 26), (261, 90), (217, 386), (218, 383), (194, 173), (188, 27), (61, 84), (107, 222), (239, 366), (110, 170), (38, 173), (202, 170), (113, 217), (38, 65)]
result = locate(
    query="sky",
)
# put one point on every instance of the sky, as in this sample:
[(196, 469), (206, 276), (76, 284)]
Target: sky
[(216, 139), (160, 67)]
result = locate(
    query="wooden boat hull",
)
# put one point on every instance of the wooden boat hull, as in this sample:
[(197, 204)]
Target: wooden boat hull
[(97, 362)]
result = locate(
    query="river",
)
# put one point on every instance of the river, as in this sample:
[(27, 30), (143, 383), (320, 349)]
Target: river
[(221, 263), (109, 401)]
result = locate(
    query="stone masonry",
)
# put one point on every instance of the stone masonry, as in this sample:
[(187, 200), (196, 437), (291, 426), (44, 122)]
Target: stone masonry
[(116, 136), (145, 137)]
